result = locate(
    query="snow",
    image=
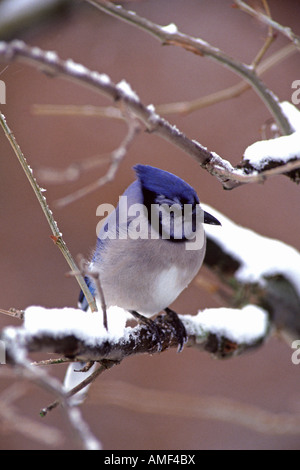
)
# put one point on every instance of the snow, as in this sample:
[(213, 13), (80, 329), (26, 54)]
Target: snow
[(217, 161), (51, 56), (87, 326), (75, 68), (282, 148), (35, 51), (259, 256), (170, 28), (13, 343), (79, 69), (151, 108), (126, 89), (246, 325), (292, 114), (102, 77)]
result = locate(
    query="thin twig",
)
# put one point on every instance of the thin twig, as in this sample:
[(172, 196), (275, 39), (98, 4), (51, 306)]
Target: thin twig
[(86, 270), (200, 47), (269, 40), (72, 172), (259, 177), (233, 91), (18, 423), (87, 381), (184, 107), (13, 312), (51, 362), (78, 110), (170, 403), (115, 159), (56, 234), (285, 30), (38, 376), (229, 176)]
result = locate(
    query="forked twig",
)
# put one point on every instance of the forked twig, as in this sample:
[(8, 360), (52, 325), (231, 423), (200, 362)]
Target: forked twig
[(266, 19), (202, 48), (116, 158)]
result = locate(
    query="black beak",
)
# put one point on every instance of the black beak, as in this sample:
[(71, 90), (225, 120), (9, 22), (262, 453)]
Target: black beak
[(210, 219)]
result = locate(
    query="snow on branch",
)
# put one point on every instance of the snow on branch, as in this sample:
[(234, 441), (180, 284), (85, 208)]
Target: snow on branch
[(263, 272), (170, 35), (274, 155), (80, 336), (266, 270), (122, 93)]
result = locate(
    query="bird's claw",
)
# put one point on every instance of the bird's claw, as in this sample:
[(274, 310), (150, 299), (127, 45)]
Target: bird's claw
[(178, 328), (152, 326)]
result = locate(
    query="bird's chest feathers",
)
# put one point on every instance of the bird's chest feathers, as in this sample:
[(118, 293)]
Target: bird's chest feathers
[(170, 282)]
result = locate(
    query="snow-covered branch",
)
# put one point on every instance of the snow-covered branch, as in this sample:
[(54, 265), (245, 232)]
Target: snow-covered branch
[(81, 336), (229, 176), (266, 271)]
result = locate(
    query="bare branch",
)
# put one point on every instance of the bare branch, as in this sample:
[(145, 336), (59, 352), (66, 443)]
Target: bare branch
[(285, 30), (13, 312), (87, 381), (116, 158), (14, 421), (171, 403), (57, 236), (78, 110), (200, 47), (229, 176), (86, 270), (24, 369), (181, 107), (101, 83)]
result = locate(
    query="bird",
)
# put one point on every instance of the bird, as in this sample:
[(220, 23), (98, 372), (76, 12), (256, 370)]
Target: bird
[(150, 247)]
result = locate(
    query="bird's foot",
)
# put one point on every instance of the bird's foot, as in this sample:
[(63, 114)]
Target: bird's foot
[(152, 326), (179, 331)]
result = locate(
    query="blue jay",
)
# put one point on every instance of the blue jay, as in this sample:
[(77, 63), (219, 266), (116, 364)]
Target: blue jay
[(145, 261)]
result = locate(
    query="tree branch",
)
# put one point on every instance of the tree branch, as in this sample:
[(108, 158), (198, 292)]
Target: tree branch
[(181, 107), (115, 159), (285, 30), (258, 270), (49, 62), (85, 339), (56, 234), (17, 356), (200, 47)]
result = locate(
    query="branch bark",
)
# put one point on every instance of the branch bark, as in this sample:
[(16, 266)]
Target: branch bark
[(50, 63), (285, 30), (202, 48), (76, 342)]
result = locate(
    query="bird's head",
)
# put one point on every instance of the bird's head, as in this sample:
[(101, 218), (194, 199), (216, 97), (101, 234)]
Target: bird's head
[(173, 205)]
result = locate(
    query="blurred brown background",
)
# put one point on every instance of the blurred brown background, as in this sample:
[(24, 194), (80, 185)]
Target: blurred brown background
[(32, 268)]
